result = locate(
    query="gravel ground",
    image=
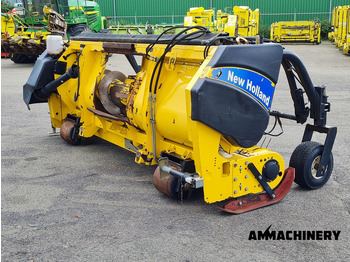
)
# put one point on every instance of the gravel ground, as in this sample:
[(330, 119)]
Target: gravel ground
[(93, 203)]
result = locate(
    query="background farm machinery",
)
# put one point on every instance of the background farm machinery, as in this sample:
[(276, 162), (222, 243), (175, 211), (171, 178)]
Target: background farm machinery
[(340, 34), (32, 28), (239, 20), (296, 31), (41, 18)]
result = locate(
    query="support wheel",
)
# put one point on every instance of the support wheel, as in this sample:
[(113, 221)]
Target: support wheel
[(75, 30), (67, 132), (305, 159)]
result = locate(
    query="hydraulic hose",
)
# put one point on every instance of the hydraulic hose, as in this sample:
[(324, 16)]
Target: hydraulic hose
[(306, 82), (47, 90)]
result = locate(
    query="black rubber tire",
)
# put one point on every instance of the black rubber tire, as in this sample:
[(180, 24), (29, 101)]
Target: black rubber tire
[(304, 160), (75, 30), (23, 59)]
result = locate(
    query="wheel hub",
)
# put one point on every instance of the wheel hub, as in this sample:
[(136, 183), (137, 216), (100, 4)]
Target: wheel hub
[(314, 167)]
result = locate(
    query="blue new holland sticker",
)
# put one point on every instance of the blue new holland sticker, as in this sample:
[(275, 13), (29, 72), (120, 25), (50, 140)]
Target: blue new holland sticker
[(257, 85)]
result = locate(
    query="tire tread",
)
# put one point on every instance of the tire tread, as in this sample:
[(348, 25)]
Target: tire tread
[(298, 160)]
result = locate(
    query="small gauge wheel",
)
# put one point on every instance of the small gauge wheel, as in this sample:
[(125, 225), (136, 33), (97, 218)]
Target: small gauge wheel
[(67, 133), (306, 161)]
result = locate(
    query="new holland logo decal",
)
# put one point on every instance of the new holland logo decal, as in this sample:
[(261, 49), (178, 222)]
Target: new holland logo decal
[(255, 84)]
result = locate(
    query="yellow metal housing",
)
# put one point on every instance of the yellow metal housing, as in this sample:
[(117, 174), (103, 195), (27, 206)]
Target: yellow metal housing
[(7, 26), (240, 21), (221, 163), (296, 31), (341, 28), (244, 16), (346, 46)]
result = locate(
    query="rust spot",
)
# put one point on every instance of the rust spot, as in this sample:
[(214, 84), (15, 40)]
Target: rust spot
[(120, 48)]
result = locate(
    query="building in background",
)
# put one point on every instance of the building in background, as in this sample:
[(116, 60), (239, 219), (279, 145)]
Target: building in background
[(173, 11)]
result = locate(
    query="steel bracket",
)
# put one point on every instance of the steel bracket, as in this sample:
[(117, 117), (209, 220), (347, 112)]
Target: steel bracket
[(328, 144), (262, 180)]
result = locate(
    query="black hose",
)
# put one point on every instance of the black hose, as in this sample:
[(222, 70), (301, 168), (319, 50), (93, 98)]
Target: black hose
[(305, 79), (174, 41), (47, 90)]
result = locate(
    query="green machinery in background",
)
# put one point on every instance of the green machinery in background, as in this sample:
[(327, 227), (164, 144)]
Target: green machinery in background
[(32, 28)]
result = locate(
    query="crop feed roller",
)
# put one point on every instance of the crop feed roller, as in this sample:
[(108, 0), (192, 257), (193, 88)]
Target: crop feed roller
[(197, 106)]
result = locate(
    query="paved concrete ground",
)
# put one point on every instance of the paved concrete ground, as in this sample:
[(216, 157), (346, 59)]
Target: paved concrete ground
[(93, 203)]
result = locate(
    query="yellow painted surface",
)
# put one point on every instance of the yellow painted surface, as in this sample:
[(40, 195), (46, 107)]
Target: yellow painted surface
[(7, 26), (346, 47), (241, 21), (222, 164), (340, 35), (308, 31)]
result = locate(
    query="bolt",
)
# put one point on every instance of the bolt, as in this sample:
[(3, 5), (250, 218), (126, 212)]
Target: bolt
[(260, 177), (187, 186), (235, 179), (246, 162), (235, 192), (246, 176), (273, 196), (240, 203), (246, 189)]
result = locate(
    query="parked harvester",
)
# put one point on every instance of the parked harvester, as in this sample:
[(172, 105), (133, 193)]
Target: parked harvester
[(346, 45), (296, 31), (7, 29), (340, 34), (240, 21), (7, 26), (334, 23), (248, 20), (197, 107)]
